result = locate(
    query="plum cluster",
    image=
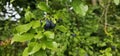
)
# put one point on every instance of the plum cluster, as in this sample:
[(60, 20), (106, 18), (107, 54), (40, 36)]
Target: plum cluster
[(49, 25)]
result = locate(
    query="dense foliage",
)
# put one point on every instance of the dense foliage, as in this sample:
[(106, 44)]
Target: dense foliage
[(60, 28)]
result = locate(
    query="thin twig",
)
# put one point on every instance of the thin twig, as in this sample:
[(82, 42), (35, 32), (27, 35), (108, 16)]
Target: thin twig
[(105, 18)]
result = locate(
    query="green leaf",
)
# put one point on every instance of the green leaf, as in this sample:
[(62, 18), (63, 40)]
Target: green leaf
[(31, 44), (82, 52), (35, 24), (25, 52), (29, 15), (49, 34), (23, 37), (116, 2), (12, 1), (23, 28), (90, 40), (79, 8), (39, 35), (55, 45), (43, 6), (48, 44), (35, 49), (43, 45), (40, 53), (62, 28), (102, 44)]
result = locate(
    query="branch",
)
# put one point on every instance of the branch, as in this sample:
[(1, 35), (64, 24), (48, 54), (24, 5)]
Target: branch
[(105, 18)]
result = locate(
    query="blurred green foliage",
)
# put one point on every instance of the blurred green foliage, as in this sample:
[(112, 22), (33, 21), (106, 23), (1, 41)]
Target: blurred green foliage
[(74, 28)]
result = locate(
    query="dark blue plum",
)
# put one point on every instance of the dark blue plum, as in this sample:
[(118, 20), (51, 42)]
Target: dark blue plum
[(52, 25), (47, 25), (113, 48), (74, 35)]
